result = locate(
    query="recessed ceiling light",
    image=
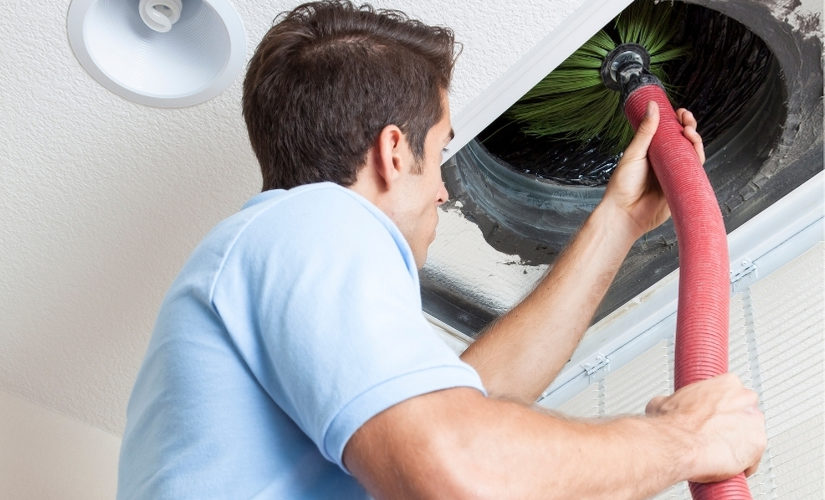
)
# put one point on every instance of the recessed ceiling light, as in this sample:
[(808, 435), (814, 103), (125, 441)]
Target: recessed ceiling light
[(163, 53)]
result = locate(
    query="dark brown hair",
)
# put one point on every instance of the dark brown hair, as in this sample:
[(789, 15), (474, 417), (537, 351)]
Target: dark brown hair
[(329, 76)]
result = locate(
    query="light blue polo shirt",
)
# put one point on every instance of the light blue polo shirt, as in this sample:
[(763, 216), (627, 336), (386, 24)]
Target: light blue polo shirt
[(293, 323)]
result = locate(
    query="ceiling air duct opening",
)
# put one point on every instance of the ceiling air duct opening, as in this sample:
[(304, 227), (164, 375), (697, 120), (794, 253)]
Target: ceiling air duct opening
[(754, 83)]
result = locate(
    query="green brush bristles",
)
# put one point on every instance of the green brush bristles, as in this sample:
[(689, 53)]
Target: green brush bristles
[(572, 103)]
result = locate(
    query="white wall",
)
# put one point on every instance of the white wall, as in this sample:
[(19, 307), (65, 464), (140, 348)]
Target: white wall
[(46, 455)]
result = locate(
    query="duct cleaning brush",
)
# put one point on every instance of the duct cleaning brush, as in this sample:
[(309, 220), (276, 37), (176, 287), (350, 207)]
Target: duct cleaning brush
[(572, 102)]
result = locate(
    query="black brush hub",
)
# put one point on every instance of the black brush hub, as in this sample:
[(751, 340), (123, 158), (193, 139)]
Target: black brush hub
[(626, 68)]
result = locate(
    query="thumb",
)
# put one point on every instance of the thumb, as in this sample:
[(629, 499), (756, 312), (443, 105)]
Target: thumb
[(637, 148)]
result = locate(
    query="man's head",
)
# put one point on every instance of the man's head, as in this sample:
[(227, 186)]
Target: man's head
[(328, 77)]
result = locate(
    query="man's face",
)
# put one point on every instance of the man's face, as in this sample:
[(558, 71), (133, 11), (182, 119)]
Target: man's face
[(416, 213)]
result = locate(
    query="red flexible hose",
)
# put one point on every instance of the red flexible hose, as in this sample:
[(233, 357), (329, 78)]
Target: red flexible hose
[(704, 286)]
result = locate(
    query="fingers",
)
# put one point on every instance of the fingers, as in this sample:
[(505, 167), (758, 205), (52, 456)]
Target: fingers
[(759, 436), (686, 118), (688, 122), (751, 470), (637, 148), (724, 415), (732, 395), (654, 406), (644, 134)]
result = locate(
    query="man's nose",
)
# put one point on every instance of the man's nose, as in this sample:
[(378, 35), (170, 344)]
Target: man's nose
[(443, 195)]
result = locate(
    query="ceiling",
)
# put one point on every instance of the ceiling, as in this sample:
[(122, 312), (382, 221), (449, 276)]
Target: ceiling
[(103, 199)]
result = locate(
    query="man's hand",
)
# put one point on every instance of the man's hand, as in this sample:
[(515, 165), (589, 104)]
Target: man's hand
[(723, 420), (633, 189), (521, 353)]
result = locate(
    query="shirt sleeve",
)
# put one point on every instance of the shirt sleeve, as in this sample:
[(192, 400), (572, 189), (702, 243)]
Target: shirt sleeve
[(326, 311)]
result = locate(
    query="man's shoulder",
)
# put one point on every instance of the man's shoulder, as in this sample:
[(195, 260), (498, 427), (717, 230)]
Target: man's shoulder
[(321, 204), (311, 220)]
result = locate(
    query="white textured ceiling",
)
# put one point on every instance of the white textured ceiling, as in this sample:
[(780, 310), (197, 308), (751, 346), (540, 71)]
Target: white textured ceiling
[(102, 199)]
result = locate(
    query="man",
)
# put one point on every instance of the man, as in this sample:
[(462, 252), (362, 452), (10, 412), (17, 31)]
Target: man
[(290, 358)]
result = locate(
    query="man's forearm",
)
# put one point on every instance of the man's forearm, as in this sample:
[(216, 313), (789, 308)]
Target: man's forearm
[(520, 354), (476, 447), (621, 458)]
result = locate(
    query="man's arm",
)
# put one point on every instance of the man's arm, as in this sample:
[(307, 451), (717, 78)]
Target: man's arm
[(521, 353), (456, 443)]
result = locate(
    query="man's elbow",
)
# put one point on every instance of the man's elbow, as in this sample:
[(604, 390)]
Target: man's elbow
[(459, 468), (420, 451)]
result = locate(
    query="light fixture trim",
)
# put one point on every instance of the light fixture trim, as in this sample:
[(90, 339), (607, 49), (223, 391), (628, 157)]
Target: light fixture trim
[(201, 76)]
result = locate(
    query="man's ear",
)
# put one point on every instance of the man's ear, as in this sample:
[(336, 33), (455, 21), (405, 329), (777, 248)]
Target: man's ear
[(389, 153)]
